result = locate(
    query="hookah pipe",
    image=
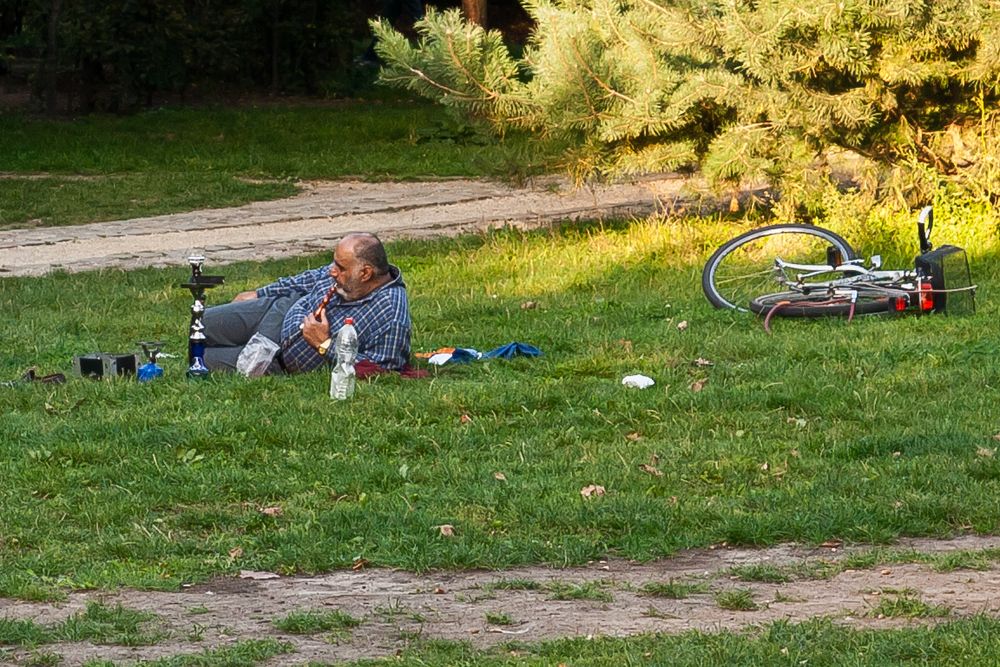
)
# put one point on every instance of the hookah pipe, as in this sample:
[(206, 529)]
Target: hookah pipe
[(326, 300), (317, 314)]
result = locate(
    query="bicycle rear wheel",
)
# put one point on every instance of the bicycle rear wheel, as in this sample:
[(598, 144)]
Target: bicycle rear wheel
[(743, 267), (796, 304)]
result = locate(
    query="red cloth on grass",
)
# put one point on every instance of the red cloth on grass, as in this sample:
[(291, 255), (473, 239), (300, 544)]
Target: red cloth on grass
[(366, 369)]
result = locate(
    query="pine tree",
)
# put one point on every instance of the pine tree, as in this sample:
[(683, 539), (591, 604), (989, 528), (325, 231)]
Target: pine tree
[(744, 89)]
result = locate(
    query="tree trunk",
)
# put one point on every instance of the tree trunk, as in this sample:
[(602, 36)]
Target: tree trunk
[(475, 11), (51, 63)]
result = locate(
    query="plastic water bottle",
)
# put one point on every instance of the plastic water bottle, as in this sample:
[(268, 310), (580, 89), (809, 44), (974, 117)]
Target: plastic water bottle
[(342, 375)]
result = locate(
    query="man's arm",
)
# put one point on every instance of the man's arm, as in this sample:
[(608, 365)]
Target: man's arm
[(303, 282), (245, 296)]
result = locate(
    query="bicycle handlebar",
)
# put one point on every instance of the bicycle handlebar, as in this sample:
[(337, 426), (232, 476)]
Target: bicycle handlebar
[(925, 224)]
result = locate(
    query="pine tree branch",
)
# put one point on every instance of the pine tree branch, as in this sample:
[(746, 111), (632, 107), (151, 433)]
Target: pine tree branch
[(583, 86), (440, 86), (457, 62), (597, 79)]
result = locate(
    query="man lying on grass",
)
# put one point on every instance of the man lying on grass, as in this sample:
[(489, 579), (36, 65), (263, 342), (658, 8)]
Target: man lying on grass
[(303, 313)]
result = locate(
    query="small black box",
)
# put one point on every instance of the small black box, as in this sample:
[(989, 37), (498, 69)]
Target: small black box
[(947, 268), (102, 365)]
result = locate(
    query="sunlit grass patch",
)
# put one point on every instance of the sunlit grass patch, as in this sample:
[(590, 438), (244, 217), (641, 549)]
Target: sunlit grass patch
[(673, 590), (514, 585), (763, 573), (499, 618), (905, 604), (822, 641), (312, 622), (98, 623), (739, 599)]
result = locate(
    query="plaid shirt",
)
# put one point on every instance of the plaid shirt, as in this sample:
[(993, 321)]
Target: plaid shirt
[(381, 318)]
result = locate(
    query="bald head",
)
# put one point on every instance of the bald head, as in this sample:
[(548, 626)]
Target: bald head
[(368, 249)]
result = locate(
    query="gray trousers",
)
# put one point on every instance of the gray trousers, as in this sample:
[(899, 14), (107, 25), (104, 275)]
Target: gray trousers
[(230, 326)]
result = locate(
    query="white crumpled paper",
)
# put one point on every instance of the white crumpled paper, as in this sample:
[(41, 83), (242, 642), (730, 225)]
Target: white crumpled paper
[(638, 381), (440, 359)]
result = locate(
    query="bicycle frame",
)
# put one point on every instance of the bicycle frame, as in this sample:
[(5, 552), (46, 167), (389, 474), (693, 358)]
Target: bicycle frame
[(855, 274)]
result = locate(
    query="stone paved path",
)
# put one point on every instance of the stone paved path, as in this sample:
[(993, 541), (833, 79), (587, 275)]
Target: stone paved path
[(323, 212)]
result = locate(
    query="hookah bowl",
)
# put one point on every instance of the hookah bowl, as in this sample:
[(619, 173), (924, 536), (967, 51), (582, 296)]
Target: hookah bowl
[(150, 370)]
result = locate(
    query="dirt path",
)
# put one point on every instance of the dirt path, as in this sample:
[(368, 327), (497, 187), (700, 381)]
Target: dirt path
[(320, 214), (395, 607)]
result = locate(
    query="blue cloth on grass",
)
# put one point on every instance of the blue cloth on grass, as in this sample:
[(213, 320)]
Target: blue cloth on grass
[(511, 350)]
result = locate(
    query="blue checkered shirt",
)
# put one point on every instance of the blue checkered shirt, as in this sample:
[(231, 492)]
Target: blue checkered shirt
[(382, 319)]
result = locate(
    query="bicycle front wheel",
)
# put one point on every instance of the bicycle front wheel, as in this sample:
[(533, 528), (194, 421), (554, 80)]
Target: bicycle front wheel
[(796, 304), (743, 267)]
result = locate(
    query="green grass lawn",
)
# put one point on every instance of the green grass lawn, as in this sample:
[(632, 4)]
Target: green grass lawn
[(168, 160), (861, 432), (821, 642)]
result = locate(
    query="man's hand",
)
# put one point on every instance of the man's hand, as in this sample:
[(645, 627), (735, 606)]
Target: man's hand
[(245, 296), (315, 331)]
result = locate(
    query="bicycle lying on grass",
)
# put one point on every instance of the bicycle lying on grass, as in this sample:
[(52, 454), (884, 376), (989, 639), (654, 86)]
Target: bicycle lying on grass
[(817, 273)]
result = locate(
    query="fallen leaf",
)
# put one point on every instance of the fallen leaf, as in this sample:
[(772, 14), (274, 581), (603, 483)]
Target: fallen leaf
[(439, 591), (651, 470), (985, 452), (794, 453), (896, 455), (528, 305), (500, 476), (886, 572), (764, 466), (446, 530), (465, 419), (633, 436), (236, 552), (626, 344), (698, 385), (702, 363), (592, 490), (681, 326), (271, 511), (798, 421), (359, 564), (673, 500)]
